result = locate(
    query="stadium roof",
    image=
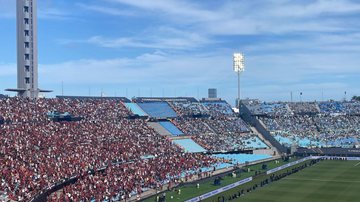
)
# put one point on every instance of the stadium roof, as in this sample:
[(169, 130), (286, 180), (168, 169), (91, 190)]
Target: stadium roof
[(124, 99), (163, 99)]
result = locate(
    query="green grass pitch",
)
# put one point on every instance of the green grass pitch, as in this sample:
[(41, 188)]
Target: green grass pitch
[(190, 191), (327, 181)]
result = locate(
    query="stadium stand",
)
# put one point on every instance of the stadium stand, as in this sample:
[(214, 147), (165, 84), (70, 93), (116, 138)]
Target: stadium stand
[(159, 128), (135, 109), (171, 128), (192, 126), (255, 143), (160, 110), (331, 107), (121, 154), (227, 125), (304, 107), (186, 108), (311, 124), (263, 108), (217, 107), (189, 145), (123, 99), (106, 149), (229, 142), (242, 158), (214, 126), (352, 108), (165, 99)]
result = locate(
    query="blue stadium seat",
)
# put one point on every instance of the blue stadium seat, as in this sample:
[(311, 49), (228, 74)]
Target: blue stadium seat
[(189, 145), (171, 128), (158, 109), (135, 109)]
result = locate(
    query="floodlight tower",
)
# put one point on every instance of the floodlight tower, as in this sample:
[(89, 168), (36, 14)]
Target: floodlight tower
[(239, 67)]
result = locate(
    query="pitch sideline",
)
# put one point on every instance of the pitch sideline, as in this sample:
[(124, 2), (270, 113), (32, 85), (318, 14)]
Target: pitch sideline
[(322, 180)]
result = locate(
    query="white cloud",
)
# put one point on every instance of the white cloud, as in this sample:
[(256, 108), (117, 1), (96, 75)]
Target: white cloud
[(300, 45), (173, 8), (251, 17), (157, 67), (314, 9), (159, 38), (54, 14), (106, 10), (162, 69), (310, 43)]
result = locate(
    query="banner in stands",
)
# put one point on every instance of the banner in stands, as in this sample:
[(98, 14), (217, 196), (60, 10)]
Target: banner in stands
[(218, 191)]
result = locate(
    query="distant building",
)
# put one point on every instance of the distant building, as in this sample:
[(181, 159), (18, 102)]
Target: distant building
[(27, 51), (212, 93)]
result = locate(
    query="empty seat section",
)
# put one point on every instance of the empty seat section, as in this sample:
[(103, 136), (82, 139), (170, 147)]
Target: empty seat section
[(158, 109), (135, 109), (171, 128), (189, 145), (255, 143)]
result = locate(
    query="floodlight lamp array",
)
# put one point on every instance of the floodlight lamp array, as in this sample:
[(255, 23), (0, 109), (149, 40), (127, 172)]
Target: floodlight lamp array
[(239, 62)]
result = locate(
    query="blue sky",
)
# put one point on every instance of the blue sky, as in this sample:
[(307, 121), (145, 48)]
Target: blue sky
[(181, 48)]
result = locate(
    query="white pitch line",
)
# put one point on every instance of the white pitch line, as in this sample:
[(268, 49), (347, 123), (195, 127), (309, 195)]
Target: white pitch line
[(321, 180), (357, 164)]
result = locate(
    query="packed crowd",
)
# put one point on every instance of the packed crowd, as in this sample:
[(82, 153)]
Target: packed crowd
[(290, 108), (229, 142), (220, 108), (36, 153), (304, 107), (226, 125), (257, 107), (220, 130), (352, 108), (192, 126), (121, 180), (316, 130), (25, 110), (331, 107), (189, 108)]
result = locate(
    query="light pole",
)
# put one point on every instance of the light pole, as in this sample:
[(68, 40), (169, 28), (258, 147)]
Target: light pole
[(345, 96), (239, 66)]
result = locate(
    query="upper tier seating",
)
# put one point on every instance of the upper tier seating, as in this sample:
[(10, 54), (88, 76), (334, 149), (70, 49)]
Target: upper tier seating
[(158, 109), (171, 128), (135, 109)]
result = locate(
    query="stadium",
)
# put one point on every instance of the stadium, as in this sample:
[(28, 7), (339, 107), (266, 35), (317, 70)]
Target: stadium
[(150, 148), (76, 148)]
